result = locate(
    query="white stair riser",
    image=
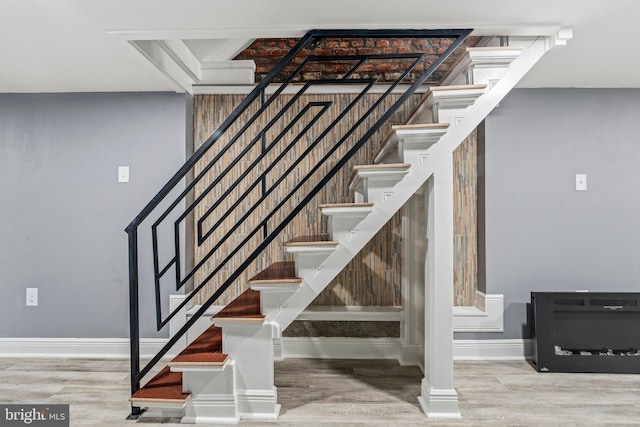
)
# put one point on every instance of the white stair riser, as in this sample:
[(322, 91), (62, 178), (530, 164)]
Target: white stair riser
[(413, 146), (307, 263), (380, 188), (213, 397), (272, 295), (342, 225)]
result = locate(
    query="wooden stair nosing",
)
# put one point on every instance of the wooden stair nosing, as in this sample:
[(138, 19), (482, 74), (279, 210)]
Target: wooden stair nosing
[(346, 205), (310, 244)]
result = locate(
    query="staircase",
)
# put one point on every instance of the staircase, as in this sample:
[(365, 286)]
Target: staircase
[(226, 374)]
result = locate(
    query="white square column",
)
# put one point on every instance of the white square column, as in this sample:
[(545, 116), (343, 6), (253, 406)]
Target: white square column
[(439, 399)]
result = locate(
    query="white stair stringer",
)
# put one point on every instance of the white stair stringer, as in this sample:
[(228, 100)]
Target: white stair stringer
[(438, 398), (413, 180)]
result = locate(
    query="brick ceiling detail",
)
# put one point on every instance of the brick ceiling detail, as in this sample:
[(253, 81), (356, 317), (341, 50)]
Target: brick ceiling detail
[(267, 52)]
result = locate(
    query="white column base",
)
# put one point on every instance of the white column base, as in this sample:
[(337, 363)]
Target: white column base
[(258, 404), (439, 403), (212, 409)]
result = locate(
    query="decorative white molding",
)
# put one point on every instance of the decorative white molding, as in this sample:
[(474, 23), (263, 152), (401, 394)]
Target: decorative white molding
[(439, 403), (475, 319)]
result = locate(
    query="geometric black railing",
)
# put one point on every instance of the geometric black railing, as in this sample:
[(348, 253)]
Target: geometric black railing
[(247, 182)]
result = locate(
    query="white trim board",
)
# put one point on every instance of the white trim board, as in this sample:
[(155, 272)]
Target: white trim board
[(487, 316), (304, 347)]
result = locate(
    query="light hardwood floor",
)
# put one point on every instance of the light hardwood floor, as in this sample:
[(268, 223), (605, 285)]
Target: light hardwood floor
[(350, 393)]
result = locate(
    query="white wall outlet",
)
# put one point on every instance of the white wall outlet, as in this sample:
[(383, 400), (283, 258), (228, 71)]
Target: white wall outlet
[(581, 182), (123, 173), (32, 297)]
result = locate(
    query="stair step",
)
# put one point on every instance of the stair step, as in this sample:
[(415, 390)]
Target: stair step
[(309, 244), (344, 217), (310, 252), (438, 99), (276, 273), (481, 65), (165, 387), (430, 133), (206, 350), (246, 307), (345, 205), (373, 183)]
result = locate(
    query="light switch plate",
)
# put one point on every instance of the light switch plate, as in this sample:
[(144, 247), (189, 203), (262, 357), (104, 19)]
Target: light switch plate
[(123, 173), (581, 182), (32, 297)]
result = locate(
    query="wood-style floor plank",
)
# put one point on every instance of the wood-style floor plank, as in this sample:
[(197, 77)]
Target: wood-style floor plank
[(349, 393)]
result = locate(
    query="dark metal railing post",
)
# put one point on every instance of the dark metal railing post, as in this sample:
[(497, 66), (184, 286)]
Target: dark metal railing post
[(134, 315), (263, 181)]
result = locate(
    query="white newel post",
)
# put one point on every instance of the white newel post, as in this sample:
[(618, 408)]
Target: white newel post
[(439, 399)]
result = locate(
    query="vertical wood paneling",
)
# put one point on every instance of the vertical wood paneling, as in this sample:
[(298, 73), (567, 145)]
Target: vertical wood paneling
[(373, 276), (465, 232)]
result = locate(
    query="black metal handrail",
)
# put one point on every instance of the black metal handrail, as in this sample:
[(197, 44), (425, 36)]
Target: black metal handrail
[(306, 44)]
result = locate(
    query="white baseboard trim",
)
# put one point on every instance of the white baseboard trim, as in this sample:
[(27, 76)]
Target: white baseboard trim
[(300, 347), (340, 348), (390, 348), (91, 348), (508, 349)]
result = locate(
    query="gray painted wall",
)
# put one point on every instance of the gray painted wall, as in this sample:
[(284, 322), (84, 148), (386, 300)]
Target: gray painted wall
[(62, 211), (542, 234)]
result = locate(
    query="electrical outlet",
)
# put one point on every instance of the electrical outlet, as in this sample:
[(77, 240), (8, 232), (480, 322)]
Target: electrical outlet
[(32, 297)]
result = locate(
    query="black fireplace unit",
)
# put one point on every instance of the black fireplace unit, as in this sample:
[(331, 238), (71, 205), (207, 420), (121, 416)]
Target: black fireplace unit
[(586, 332)]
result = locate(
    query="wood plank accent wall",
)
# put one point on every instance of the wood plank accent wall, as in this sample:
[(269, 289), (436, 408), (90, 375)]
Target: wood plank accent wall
[(373, 277), (465, 221)]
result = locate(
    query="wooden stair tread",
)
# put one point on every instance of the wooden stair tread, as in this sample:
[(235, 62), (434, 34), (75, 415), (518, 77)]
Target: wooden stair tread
[(315, 238), (311, 240), (381, 166), (421, 126), (204, 350), (278, 272), (166, 386), (314, 243), (490, 48), (456, 87), (346, 205), (245, 306)]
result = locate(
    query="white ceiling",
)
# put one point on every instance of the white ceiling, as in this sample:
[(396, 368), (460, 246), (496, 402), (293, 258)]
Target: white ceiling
[(81, 46)]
